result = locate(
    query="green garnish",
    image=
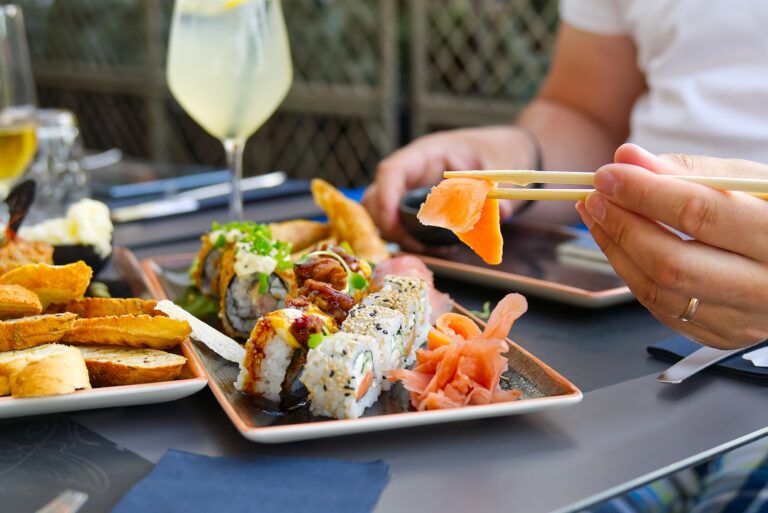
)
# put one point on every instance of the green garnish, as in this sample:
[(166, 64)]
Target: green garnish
[(315, 339), (194, 267), (199, 305), (486, 313), (263, 283), (98, 289), (355, 281), (256, 238), (347, 247)]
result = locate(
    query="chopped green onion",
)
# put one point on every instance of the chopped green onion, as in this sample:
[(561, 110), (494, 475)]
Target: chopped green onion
[(357, 281), (486, 313), (221, 241), (314, 340), (347, 247), (263, 283)]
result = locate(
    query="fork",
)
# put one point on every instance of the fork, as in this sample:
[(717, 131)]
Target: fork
[(68, 501)]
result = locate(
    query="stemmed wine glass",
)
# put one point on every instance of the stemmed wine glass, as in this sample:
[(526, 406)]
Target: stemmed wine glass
[(229, 66), (18, 140)]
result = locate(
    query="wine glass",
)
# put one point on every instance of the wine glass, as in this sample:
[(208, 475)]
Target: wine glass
[(17, 99), (229, 66)]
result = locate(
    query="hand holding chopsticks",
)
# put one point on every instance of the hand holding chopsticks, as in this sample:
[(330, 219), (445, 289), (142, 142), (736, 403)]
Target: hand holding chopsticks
[(752, 186)]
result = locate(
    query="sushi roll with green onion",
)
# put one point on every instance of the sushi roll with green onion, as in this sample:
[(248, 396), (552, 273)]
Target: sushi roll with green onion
[(343, 375), (386, 327)]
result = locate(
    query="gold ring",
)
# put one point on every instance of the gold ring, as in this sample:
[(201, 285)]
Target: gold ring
[(690, 310)]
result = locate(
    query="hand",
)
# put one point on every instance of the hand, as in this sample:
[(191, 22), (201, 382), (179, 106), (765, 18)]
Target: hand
[(725, 266), (422, 163)]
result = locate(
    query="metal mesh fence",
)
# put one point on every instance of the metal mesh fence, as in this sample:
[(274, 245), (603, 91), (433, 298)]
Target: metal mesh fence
[(463, 62)]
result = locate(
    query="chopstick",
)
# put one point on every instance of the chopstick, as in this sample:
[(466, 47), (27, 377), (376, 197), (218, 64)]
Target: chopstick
[(753, 186)]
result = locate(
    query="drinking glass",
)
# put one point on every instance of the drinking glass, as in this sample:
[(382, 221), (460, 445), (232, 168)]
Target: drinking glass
[(17, 99), (229, 66)]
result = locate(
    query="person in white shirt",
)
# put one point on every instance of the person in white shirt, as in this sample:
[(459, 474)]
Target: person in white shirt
[(673, 76)]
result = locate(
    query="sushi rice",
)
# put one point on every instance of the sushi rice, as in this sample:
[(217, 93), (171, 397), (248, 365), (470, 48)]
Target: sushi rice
[(337, 373), (408, 306), (386, 327), (418, 288)]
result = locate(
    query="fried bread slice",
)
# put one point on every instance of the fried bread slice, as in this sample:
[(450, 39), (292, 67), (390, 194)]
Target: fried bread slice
[(17, 301), (35, 330), (52, 283), (129, 330), (111, 365), (61, 372), (90, 307)]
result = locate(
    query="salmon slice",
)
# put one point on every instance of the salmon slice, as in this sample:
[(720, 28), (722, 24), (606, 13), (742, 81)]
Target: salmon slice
[(462, 206), (485, 237), (455, 204), (463, 366)]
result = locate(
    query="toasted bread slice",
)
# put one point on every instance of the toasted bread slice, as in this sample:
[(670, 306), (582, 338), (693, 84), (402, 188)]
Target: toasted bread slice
[(129, 330), (52, 283), (5, 385), (13, 361), (90, 307), (17, 301), (110, 365), (62, 372), (35, 330)]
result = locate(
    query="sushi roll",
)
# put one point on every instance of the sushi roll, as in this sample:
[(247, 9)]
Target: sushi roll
[(408, 306), (418, 288), (252, 284), (386, 327), (343, 375), (276, 351), (205, 271)]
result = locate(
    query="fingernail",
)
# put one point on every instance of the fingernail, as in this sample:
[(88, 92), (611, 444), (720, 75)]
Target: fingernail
[(584, 214), (596, 206), (606, 182)]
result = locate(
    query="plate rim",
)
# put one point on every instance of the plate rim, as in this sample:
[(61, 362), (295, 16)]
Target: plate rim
[(337, 427)]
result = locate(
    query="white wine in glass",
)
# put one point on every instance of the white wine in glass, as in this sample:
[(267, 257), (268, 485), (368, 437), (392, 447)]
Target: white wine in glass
[(17, 99), (229, 66)]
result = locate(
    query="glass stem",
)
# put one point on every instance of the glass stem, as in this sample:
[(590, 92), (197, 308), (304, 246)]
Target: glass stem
[(234, 151)]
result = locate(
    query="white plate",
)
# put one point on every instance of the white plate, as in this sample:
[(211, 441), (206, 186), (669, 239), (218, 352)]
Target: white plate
[(128, 395), (543, 387)]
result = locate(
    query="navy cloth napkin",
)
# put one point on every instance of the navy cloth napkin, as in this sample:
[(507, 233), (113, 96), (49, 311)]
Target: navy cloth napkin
[(191, 483), (675, 349)]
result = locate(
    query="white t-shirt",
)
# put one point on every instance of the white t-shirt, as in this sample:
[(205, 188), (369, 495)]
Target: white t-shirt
[(706, 66)]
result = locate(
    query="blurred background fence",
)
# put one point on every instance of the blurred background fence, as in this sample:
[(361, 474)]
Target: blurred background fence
[(369, 76)]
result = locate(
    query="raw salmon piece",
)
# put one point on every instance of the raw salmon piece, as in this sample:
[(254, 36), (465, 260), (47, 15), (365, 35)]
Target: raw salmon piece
[(455, 204), (485, 236)]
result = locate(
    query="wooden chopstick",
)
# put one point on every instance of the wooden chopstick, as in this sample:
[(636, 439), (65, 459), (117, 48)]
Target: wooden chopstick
[(525, 177), (564, 194)]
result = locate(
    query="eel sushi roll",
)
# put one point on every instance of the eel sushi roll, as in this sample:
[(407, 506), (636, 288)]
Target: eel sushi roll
[(343, 375), (205, 272), (386, 327), (418, 288), (408, 306), (247, 293), (277, 350)]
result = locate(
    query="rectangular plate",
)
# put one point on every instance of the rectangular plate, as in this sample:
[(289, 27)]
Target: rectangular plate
[(191, 380), (543, 388), (530, 265)]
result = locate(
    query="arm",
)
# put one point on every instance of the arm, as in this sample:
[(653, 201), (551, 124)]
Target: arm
[(579, 116)]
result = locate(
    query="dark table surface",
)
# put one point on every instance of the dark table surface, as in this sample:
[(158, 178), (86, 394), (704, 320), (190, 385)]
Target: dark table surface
[(629, 429)]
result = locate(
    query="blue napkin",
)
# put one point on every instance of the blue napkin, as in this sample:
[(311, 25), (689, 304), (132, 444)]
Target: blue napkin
[(191, 483), (675, 349)]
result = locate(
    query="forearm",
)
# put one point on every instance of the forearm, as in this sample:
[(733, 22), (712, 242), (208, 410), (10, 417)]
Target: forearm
[(569, 141)]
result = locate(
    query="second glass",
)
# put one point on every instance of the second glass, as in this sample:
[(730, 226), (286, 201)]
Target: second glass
[(229, 66)]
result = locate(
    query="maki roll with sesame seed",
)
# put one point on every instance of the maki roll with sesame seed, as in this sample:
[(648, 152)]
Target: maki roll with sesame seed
[(408, 306), (418, 288), (276, 351), (343, 375), (386, 327)]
